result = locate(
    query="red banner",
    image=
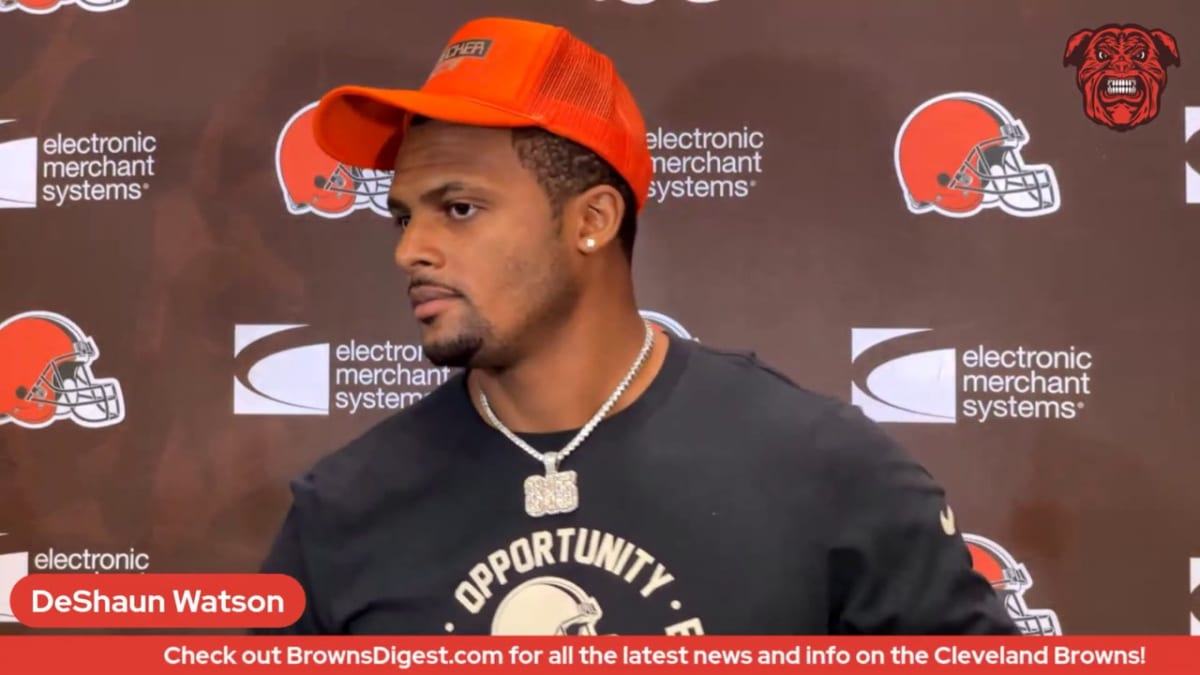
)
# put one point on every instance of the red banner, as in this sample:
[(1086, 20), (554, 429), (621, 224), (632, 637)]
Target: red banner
[(157, 600), (663, 655), (233, 601)]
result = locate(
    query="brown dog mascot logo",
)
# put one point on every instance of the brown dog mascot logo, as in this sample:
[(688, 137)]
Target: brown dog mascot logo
[(1122, 72)]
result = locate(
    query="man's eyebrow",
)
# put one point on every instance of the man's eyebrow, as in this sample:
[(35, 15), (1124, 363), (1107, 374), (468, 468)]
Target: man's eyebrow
[(434, 196)]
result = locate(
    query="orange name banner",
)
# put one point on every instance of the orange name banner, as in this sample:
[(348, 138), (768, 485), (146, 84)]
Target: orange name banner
[(603, 654)]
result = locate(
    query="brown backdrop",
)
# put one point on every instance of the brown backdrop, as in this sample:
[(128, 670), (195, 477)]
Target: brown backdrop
[(168, 265)]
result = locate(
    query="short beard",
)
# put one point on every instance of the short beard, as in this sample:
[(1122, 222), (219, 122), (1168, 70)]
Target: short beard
[(552, 294), (457, 352)]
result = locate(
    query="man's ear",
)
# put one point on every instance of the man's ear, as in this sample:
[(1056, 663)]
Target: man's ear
[(595, 216)]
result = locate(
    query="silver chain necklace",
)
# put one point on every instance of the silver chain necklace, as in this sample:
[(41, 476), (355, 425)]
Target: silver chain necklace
[(557, 491)]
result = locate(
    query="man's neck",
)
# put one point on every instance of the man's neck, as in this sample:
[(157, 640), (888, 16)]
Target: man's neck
[(564, 383)]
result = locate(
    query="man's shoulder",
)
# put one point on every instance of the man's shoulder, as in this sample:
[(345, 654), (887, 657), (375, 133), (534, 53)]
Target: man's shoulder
[(797, 431), (753, 390), (741, 379), (403, 450)]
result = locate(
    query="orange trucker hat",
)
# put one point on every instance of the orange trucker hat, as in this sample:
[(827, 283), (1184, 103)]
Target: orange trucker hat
[(498, 72)]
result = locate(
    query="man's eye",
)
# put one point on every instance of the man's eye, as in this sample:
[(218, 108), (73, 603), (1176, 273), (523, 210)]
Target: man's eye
[(402, 221), (461, 210)]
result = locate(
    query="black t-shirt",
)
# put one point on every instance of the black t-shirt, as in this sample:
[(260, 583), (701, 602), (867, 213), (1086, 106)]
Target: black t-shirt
[(725, 500)]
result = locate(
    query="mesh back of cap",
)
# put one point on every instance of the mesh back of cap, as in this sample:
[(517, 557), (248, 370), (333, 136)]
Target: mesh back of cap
[(580, 97)]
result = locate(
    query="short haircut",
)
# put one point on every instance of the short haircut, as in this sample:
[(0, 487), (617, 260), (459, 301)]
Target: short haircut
[(565, 169)]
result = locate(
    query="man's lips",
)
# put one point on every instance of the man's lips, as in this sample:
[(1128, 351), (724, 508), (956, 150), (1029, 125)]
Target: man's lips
[(428, 300)]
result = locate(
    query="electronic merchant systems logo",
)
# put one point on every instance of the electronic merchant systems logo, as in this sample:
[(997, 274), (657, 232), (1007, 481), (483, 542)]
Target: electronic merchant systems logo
[(48, 6), (705, 163), (1191, 170), (293, 369), (908, 375), (1194, 586), (14, 566), (59, 170)]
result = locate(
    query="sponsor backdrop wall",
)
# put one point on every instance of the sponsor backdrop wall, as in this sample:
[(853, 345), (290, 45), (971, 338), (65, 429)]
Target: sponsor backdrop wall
[(979, 223)]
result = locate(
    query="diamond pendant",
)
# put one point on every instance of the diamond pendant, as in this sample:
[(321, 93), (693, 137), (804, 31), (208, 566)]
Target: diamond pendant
[(554, 493)]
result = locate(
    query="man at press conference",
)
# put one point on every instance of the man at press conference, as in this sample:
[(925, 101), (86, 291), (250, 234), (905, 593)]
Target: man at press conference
[(585, 473)]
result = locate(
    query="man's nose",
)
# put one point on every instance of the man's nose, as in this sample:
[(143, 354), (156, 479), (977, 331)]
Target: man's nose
[(418, 246)]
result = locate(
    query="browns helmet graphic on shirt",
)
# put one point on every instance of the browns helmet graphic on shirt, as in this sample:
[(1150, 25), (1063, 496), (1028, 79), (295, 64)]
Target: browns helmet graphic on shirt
[(313, 182), (1010, 580), (1121, 71), (958, 154), (47, 6), (547, 606), (46, 375)]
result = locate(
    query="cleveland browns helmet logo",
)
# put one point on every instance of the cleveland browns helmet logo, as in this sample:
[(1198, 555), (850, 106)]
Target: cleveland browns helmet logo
[(960, 153), (1121, 70), (47, 6), (547, 606), (46, 375), (1010, 580), (313, 182)]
